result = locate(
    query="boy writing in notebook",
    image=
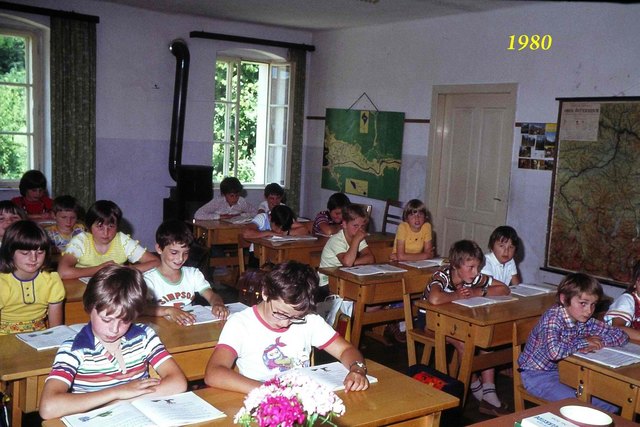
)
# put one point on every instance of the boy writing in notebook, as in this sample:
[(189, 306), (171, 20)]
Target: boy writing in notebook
[(109, 359), (278, 334), (174, 286), (566, 328)]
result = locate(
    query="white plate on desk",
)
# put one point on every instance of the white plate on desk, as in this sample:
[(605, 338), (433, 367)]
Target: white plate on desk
[(585, 416)]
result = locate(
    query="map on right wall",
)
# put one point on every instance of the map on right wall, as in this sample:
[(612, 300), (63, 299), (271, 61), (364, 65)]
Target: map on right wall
[(594, 223)]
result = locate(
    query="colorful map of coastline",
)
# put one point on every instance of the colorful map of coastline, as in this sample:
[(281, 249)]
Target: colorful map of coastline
[(363, 152), (595, 221)]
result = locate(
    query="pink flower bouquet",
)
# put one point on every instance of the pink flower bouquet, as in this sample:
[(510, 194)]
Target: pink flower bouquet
[(290, 400)]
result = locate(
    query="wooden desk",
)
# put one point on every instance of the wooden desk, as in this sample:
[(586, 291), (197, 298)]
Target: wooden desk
[(24, 369), (309, 251), (485, 327), (371, 290), (622, 384), (420, 404), (304, 251), (553, 407), (217, 232), (73, 307)]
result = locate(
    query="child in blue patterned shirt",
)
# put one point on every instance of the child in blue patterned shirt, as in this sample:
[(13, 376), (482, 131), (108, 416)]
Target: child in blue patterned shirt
[(564, 329)]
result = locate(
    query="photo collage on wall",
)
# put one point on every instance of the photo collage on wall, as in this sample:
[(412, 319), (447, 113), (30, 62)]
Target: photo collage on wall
[(537, 146)]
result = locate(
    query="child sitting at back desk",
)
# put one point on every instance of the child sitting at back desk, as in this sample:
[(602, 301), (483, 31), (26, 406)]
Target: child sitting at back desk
[(329, 222), (65, 211), (103, 245), (273, 196), (229, 205), (33, 196), (9, 213), (499, 262), (348, 246), (413, 237)]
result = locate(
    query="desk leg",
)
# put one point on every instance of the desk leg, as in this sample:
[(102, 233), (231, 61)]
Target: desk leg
[(441, 351), (14, 390), (356, 329), (464, 374)]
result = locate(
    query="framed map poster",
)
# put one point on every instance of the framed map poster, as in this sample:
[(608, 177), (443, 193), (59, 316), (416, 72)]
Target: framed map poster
[(594, 219), (363, 152)]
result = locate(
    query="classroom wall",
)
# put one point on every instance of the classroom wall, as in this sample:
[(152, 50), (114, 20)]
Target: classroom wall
[(135, 81), (594, 53)]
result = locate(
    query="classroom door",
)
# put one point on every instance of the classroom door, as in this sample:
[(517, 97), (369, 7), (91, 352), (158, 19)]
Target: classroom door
[(470, 154)]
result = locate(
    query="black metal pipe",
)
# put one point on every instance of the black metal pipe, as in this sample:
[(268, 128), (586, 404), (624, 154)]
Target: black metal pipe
[(180, 50)]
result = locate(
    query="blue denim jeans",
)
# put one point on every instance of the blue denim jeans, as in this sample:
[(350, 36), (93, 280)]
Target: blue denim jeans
[(547, 385)]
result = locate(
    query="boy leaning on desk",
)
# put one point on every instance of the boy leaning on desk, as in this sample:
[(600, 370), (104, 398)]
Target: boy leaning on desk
[(108, 360), (173, 286)]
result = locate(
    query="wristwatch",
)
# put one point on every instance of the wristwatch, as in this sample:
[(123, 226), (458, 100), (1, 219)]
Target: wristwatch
[(360, 365)]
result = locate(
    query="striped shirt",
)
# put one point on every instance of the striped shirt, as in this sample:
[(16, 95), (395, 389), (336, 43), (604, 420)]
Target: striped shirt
[(85, 365), (443, 279)]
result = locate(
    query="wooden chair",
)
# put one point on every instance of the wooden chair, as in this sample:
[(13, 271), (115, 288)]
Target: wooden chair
[(392, 214), (413, 287), (521, 331)]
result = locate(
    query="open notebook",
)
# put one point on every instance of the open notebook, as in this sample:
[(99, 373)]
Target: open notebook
[(50, 338), (166, 411), (480, 301), (330, 375), (527, 289), (614, 357), (203, 314), (426, 263), (369, 269)]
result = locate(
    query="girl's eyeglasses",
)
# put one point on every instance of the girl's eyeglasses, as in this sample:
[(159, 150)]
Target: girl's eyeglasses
[(281, 316)]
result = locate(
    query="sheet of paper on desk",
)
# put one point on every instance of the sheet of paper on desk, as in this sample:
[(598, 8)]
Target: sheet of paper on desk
[(367, 270), (480, 301), (425, 263), (290, 238), (177, 410), (85, 279), (614, 357), (49, 338), (203, 314), (527, 289), (330, 374)]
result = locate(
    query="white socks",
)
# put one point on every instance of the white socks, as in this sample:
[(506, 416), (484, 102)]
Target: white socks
[(489, 395), (476, 389), (486, 392)]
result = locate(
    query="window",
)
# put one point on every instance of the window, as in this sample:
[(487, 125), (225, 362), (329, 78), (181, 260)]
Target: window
[(251, 121), (21, 134)]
